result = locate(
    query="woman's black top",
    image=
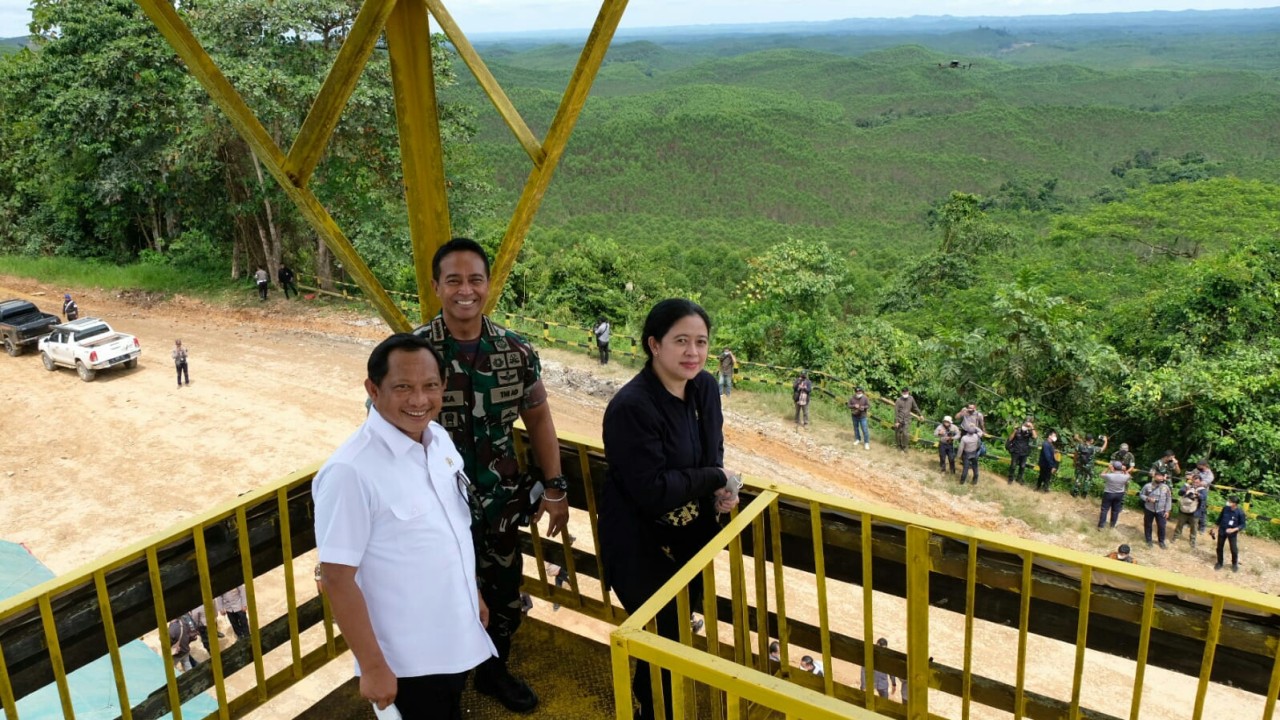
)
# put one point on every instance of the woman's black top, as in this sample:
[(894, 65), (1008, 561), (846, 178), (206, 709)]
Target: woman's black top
[(662, 452)]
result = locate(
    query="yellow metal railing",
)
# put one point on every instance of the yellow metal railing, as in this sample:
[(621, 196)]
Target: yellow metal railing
[(135, 592), (986, 586), (258, 540), (824, 576)]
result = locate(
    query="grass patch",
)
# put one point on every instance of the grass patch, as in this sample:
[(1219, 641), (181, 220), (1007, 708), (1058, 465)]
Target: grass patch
[(73, 272)]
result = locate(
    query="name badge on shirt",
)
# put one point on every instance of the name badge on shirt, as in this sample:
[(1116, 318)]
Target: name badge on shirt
[(507, 393)]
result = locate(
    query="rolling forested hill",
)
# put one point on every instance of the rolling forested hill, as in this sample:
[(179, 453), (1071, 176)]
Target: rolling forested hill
[(1073, 218), (12, 45), (1076, 217)]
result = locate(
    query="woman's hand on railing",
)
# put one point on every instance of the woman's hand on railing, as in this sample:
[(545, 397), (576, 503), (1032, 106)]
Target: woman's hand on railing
[(727, 496)]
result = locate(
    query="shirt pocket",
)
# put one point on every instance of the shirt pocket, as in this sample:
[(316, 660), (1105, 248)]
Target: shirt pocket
[(413, 529)]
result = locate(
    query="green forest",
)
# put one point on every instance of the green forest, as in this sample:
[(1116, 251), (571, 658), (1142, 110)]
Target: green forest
[(1076, 221)]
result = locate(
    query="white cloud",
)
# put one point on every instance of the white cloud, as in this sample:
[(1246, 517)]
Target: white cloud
[(14, 17)]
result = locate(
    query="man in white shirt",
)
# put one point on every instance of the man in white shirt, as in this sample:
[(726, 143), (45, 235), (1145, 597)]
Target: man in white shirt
[(393, 528)]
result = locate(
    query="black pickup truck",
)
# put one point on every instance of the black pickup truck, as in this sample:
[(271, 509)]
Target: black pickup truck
[(22, 324)]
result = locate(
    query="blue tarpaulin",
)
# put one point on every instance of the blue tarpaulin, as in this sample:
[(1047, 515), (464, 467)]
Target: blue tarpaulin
[(93, 687)]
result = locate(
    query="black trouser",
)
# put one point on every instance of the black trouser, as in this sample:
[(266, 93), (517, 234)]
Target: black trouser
[(239, 620), (1046, 476), (1225, 537), (603, 347), (1160, 520), (633, 593), (181, 365), (947, 456), (969, 461), (431, 697), (1112, 502), (262, 290), (1018, 462), (288, 285)]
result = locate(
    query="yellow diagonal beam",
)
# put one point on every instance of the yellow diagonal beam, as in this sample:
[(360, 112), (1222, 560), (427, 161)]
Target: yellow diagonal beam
[(246, 124), (535, 187), (327, 109), (487, 82), (421, 149)]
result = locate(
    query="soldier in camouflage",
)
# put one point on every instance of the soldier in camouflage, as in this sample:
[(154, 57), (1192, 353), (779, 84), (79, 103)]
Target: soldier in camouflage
[(1086, 452), (493, 377), (1124, 457), (1167, 465)]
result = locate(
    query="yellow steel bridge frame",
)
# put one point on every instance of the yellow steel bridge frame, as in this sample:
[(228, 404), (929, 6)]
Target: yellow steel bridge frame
[(417, 116)]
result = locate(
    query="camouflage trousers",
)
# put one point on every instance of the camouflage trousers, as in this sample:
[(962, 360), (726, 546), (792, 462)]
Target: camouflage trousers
[(1083, 481), (499, 572)]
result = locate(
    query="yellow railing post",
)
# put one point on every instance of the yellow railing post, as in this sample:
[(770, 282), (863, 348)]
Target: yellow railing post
[(868, 610), (970, 600), (918, 566), (113, 643), (1082, 638), (621, 657), (1206, 662), (1144, 641)]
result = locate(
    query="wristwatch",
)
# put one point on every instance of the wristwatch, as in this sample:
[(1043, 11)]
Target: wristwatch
[(559, 482)]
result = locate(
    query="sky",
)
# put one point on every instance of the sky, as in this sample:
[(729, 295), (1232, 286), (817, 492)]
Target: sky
[(483, 16)]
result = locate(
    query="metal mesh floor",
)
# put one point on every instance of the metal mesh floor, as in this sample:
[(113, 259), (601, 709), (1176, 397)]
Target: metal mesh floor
[(570, 673)]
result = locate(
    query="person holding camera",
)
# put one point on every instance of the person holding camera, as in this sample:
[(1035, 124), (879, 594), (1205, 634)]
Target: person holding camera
[(947, 433), (1191, 501), (1019, 447), (1167, 465), (1157, 501)]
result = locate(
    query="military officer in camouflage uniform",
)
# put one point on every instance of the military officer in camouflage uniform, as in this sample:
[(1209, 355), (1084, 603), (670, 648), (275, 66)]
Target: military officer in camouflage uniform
[(1124, 457), (492, 378), (1084, 457), (1167, 465)]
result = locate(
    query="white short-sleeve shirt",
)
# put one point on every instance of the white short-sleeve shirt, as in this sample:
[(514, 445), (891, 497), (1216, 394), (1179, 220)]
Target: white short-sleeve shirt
[(395, 510)]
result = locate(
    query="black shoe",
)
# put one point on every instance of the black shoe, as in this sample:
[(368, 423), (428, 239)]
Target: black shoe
[(514, 694), (1163, 546), (1149, 544), (1217, 566), (1235, 568)]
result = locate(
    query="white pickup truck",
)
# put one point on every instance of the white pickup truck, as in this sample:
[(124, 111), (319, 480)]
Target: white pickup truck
[(88, 345)]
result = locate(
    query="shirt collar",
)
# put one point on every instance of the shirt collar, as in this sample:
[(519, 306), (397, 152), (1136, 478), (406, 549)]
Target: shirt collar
[(396, 441), (487, 328)]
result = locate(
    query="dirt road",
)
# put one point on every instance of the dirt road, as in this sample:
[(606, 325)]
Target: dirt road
[(86, 468)]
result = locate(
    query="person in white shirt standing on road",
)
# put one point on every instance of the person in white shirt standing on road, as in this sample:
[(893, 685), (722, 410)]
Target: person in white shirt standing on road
[(393, 528)]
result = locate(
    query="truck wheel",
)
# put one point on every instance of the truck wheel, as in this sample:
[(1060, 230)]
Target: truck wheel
[(86, 374), (12, 347), (48, 362), (131, 364)]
